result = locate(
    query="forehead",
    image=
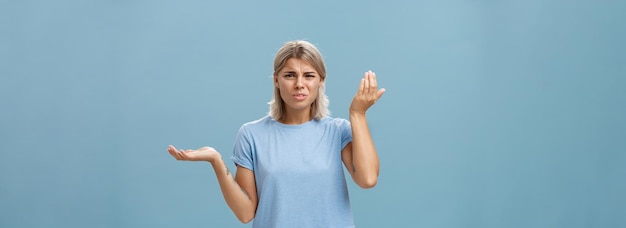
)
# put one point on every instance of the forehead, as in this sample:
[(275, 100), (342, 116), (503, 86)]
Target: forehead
[(298, 64)]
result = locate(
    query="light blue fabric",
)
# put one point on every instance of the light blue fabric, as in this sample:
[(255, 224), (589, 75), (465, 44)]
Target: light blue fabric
[(299, 173)]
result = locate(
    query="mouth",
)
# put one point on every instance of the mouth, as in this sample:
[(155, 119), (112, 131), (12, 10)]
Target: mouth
[(300, 97)]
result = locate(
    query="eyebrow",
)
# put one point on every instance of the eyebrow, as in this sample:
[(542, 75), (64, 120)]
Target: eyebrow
[(293, 71)]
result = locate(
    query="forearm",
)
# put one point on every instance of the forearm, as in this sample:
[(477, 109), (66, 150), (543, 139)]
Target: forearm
[(364, 156), (239, 201)]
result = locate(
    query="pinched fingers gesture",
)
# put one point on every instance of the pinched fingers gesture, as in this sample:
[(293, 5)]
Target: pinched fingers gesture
[(202, 154), (367, 94)]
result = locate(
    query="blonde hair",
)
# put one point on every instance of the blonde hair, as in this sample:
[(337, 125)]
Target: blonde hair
[(308, 52)]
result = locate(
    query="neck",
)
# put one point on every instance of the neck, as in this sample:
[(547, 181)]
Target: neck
[(296, 117)]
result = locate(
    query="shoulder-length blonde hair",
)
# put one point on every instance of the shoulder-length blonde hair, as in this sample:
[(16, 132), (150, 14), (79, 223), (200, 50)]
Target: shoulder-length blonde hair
[(308, 52)]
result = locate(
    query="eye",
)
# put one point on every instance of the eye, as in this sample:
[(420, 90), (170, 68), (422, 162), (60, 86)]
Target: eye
[(289, 75), (310, 76)]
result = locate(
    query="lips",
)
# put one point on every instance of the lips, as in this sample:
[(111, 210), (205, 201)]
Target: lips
[(300, 96)]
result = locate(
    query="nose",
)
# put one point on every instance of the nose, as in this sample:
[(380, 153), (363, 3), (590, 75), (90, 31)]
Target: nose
[(299, 82)]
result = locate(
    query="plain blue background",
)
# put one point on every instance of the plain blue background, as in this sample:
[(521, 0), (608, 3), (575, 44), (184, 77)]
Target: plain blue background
[(497, 113)]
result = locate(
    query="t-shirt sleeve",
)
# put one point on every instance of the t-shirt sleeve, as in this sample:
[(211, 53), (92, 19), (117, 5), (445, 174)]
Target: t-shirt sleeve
[(242, 151), (345, 130)]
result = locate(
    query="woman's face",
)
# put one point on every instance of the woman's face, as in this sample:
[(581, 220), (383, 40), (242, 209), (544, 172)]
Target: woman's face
[(298, 83)]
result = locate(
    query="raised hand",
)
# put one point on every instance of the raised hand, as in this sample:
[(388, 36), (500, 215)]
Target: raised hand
[(367, 94), (202, 154)]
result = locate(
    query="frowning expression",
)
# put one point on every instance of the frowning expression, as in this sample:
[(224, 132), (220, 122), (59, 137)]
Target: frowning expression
[(298, 83)]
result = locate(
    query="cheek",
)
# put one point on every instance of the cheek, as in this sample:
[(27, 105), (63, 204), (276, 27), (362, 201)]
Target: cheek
[(280, 85), (316, 86), (284, 89), (314, 89)]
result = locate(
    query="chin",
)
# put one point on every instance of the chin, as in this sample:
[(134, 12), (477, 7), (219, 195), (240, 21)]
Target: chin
[(300, 105)]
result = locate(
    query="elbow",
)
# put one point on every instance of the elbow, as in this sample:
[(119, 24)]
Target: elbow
[(245, 221), (245, 218), (369, 182)]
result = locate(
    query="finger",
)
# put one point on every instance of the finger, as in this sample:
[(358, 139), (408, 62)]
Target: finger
[(188, 156), (367, 82), (175, 154), (177, 150), (361, 86), (179, 156), (380, 93), (172, 150), (373, 82)]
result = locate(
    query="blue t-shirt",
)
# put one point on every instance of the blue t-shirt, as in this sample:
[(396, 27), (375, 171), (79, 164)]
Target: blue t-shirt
[(298, 171)]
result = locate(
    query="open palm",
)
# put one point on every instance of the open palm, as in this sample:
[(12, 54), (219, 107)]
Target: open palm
[(202, 154)]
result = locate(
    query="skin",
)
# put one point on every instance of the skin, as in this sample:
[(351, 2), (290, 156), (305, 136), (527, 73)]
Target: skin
[(297, 77), (298, 83)]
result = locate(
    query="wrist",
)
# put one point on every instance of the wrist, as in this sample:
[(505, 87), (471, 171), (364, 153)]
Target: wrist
[(215, 159), (354, 114)]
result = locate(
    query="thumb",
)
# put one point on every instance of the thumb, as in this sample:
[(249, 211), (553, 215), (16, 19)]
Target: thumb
[(380, 93)]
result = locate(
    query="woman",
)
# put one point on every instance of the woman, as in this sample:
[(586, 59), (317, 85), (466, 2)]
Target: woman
[(289, 163)]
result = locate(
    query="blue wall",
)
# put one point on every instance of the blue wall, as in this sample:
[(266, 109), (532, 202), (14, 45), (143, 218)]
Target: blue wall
[(497, 113)]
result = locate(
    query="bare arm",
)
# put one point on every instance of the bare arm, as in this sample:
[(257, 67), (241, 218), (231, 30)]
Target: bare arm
[(239, 192), (359, 156)]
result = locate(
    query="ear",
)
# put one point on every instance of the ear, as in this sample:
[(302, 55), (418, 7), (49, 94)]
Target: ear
[(275, 81)]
